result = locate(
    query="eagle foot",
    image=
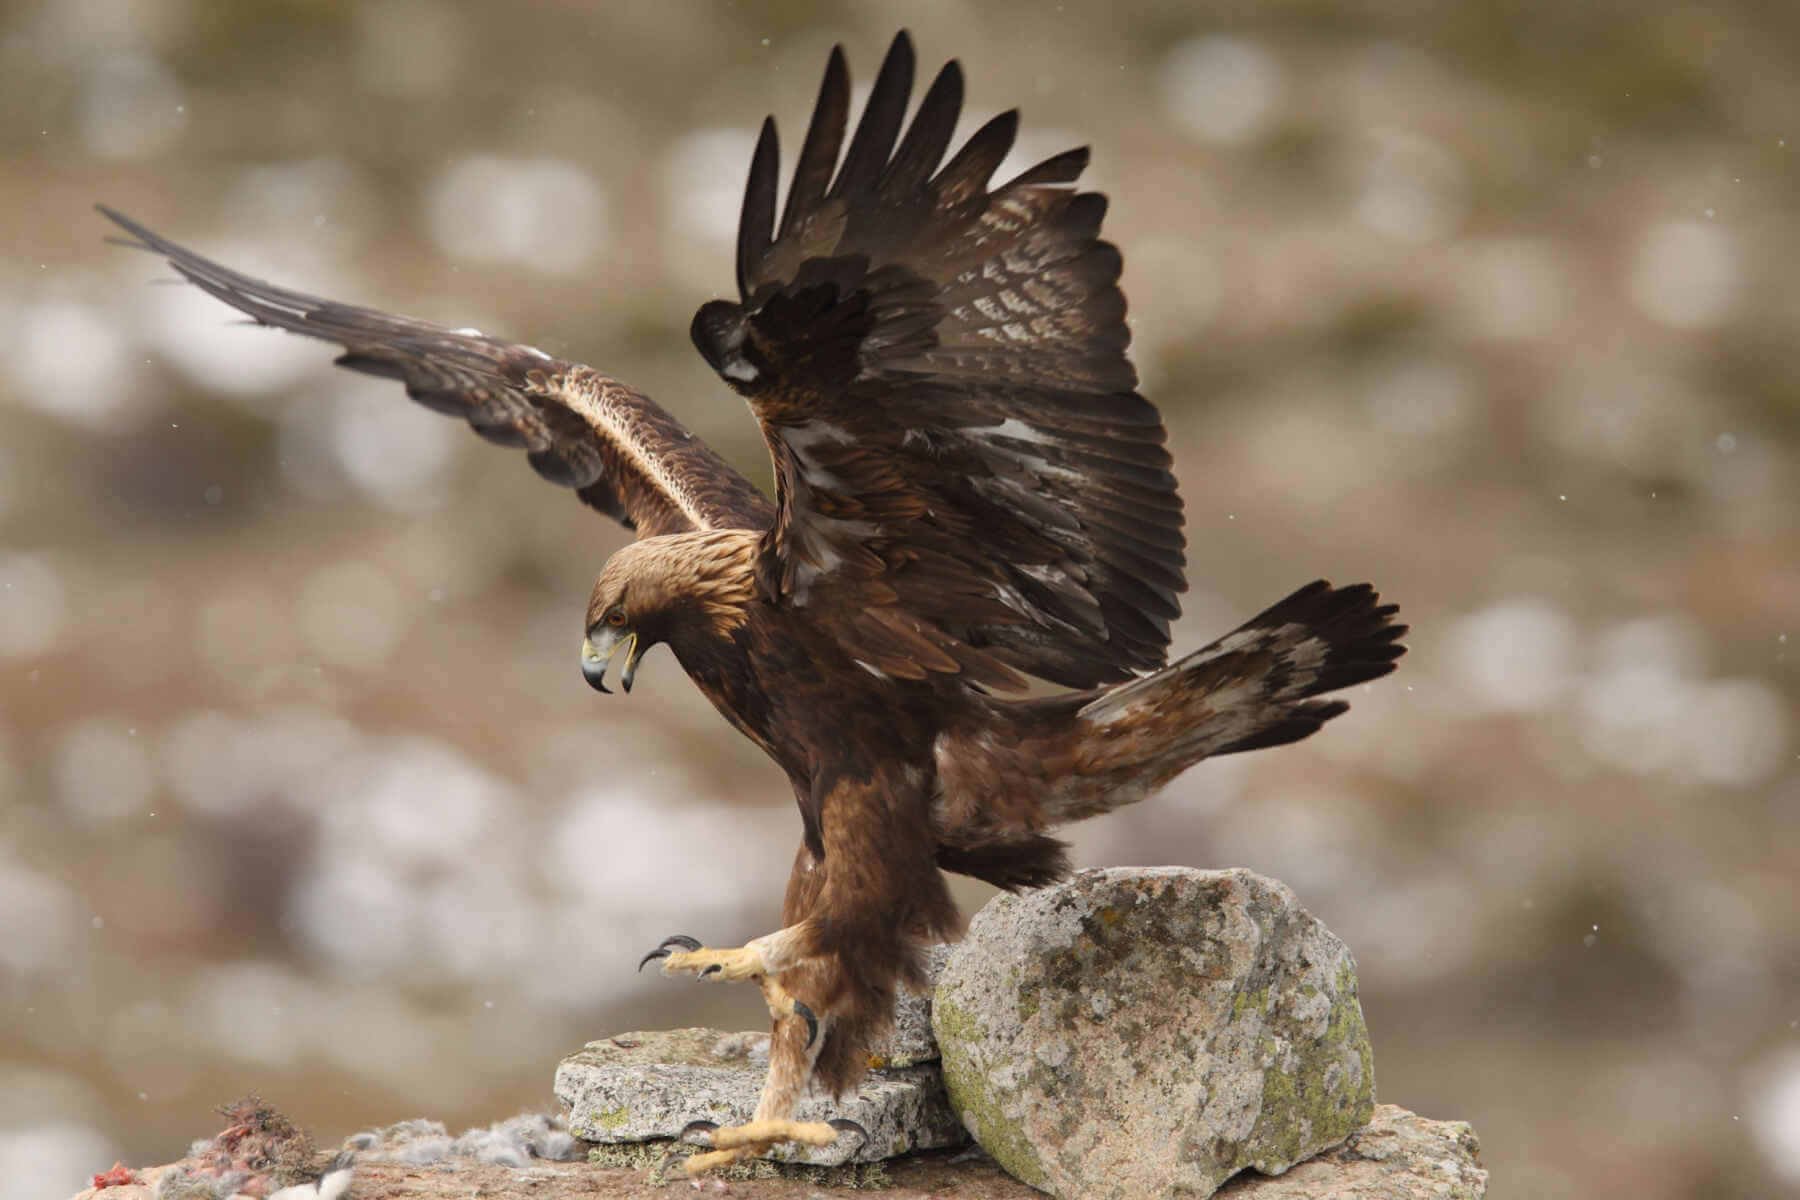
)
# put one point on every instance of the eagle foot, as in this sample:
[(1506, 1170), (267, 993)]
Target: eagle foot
[(680, 952), (734, 1143), (668, 945), (782, 1004)]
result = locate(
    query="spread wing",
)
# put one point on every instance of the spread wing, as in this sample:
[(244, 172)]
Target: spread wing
[(617, 448), (967, 479)]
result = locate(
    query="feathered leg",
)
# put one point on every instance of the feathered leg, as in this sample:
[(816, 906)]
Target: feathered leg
[(855, 921)]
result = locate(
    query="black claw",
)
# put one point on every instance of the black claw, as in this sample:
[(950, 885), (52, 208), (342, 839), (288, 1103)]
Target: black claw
[(669, 943), (715, 968), (846, 1126), (696, 1127), (812, 1025)]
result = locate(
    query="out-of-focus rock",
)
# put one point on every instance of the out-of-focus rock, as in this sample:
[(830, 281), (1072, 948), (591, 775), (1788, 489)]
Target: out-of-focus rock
[(643, 1086), (1139, 1032)]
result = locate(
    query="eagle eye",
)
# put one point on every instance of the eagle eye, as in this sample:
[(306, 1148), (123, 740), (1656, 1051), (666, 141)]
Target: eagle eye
[(616, 618)]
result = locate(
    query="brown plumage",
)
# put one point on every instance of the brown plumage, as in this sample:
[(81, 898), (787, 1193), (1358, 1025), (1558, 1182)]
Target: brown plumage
[(969, 491)]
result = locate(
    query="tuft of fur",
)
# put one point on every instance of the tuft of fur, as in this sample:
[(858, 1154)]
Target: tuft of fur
[(259, 1153)]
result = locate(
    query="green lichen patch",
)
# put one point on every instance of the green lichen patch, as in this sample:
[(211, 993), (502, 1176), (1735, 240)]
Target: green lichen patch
[(965, 1081), (1245, 999), (1302, 1112)]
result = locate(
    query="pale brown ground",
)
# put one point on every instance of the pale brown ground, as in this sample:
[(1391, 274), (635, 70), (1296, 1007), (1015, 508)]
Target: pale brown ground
[(918, 1178)]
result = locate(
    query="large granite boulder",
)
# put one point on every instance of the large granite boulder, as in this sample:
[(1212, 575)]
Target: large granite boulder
[(1142, 1032)]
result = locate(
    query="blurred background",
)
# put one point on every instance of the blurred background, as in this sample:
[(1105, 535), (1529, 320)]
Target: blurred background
[(1493, 304)]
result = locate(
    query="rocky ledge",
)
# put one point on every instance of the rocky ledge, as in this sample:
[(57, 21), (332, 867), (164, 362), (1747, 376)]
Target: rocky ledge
[(1397, 1156), (1131, 1032)]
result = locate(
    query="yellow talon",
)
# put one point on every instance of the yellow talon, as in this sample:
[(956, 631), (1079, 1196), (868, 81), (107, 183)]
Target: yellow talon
[(780, 1003), (683, 953), (734, 1143), (702, 1163), (783, 1005), (763, 1134)]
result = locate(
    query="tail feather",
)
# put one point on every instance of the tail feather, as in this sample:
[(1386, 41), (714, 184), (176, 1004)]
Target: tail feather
[(1318, 639), (1252, 688), (1321, 639), (1303, 720), (1084, 755)]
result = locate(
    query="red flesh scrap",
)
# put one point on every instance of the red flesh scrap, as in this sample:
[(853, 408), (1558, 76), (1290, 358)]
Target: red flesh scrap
[(119, 1176)]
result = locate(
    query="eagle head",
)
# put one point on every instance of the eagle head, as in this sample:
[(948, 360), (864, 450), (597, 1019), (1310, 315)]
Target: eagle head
[(620, 617), (677, 588)]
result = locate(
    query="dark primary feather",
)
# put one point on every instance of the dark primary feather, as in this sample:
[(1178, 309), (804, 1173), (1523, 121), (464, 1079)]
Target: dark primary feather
[(873, 141), (618, 449), (965, 473), (818, 154), (755, 225)]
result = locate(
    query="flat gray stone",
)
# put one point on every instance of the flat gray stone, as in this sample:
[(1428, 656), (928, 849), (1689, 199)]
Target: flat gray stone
[(1145, 1032), (1398, 1155), (642, 1086)]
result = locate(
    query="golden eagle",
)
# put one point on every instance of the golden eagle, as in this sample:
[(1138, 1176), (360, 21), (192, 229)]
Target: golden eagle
[(968, 491)]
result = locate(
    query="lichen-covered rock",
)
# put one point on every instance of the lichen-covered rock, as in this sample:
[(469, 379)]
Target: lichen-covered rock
[(1143, 1032), (643, 1086)]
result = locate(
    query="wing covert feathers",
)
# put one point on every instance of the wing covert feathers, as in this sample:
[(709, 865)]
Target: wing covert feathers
[(965, 471), (619, 450)]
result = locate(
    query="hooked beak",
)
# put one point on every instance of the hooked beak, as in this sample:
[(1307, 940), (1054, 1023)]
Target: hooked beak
[(596, 658)]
